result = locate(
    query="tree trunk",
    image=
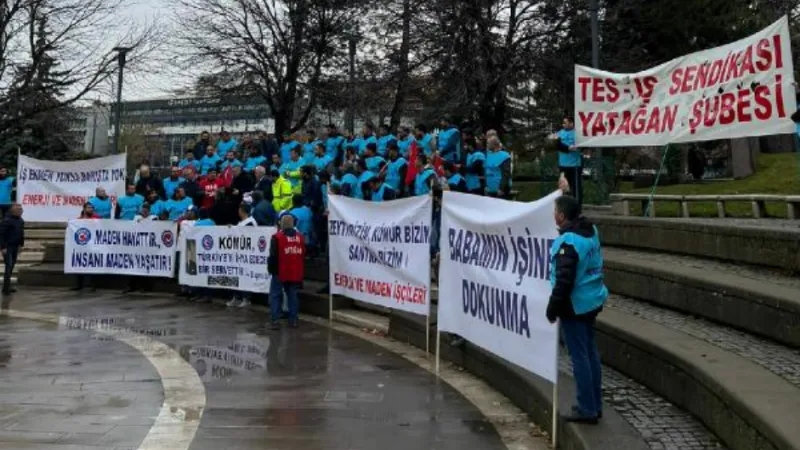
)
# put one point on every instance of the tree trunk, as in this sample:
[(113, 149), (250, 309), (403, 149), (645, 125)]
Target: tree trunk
[(402, 72)]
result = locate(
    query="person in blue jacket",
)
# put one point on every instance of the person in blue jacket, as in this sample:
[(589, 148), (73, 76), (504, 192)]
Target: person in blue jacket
[(210, 161), (322, 161), (578, 296), (473, 167), (380, 191), (128, 205), (384, 136), (395, 170), (171, 183), (367, 137), (189, 160), (231, 160), (348, 182), (178, 205), (254, 159), (404, 141), (226, 143), (310, 145), (455, 181), (289, 143), (449, 141), (304, 220), (497, 169), (372, 160), (426, 179), (7, 185), (361, 189), (102, 203), (424, 141), (570, 158)]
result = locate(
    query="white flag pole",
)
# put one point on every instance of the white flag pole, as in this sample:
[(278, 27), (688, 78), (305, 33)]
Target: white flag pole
[(438, 345), (428, 333), (555, 394)]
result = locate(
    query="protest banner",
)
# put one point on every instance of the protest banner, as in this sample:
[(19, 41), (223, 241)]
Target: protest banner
[(380, 251), (120, 247), (745, 88), (494, 277), (226, 257), (247, 355), (55, 191)]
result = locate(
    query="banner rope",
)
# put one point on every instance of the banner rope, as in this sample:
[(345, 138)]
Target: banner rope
[(655, 183)]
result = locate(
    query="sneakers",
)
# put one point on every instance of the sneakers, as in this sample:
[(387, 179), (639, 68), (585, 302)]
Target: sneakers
[(244, 303), (234, 302)]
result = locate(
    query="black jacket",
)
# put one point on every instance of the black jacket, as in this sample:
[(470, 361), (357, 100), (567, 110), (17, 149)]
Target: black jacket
[(272, 260), (12, 232), (151, 183), (193, 191), (242, 183), (566, 265)]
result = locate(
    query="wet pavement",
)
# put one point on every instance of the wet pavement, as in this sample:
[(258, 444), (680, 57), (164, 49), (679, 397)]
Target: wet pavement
[(98, 376)]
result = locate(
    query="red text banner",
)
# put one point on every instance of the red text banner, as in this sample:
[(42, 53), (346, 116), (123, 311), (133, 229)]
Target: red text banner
[(745, 88)]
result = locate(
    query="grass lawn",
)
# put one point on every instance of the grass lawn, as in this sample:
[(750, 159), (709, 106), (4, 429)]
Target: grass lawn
[(777, 174)]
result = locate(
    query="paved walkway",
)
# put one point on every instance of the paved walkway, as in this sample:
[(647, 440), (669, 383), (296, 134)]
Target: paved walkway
[(91, 371)]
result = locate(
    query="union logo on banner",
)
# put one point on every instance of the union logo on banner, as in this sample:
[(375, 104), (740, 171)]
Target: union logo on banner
[(83, 236), (167, 238), (208, 242), (262, 244)]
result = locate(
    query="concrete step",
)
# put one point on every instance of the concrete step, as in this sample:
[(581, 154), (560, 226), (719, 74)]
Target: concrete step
[(44, 234), (745, 389), (759, 300), (740, 241)]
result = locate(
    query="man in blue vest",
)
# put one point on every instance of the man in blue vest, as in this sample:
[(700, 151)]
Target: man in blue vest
[(395, 169), (426, 179), (7, 185), (380, 191), (404, 140), (424, 140), (570, 159), (309, 146), (286, 147), (321, 161), (576, 274), (371, 158), (129, 205), (383, 138), (189, 161), (172, 182), (304, 220), (497, 169), (367, 136), (226, 143), (101, 203), (449, 142), (210, 161)]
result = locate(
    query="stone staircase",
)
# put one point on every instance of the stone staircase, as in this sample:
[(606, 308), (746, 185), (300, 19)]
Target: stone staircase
[(38, 236)]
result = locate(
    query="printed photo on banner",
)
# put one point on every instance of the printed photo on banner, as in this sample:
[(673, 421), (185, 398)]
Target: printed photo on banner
[(745, 88), (225, 257), (494, 277), (120, 247), (55, 191), (380, 252)]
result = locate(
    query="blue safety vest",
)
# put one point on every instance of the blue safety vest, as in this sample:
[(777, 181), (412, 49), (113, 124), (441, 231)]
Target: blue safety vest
[(589, 292), (308, 150), (493, 169), (374, 163), (363, 178), (101, 207), (393, 173), (177, 208), (349, 181), (322, 162), (570, 159), (224, 147), (449, 143), (253, 162), (404, 145), (363, 144), (425, 144), (230, 163), (208, 163), (474, 180), (205, 223), (377, 196), (333, 145), (383, 142), (304, 224), (6, 185), (286, 149), (455, 180), (129, 206), (158, 207), (170, 185), (185, 162), (421, 186)]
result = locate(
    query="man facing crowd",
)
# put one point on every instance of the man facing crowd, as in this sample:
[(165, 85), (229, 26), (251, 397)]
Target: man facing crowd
[(12, 239), (286, 265)]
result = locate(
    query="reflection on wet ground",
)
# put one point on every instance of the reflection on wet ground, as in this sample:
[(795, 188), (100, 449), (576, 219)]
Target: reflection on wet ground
[(309, 388)]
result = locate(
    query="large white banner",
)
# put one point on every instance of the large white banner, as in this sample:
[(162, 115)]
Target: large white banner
[(494, 273), (55, 191), (120, 247), (380, 251), (226, 257), (741, 89)]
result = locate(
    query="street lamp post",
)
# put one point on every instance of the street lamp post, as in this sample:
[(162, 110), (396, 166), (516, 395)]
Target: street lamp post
[(122, 54)]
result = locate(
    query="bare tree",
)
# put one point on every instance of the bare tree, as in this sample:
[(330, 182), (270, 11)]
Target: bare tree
[(54, 52), (280, 50)]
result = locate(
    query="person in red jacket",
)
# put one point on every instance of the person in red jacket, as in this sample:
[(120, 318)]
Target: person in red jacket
[(209, 185), (286, 261)]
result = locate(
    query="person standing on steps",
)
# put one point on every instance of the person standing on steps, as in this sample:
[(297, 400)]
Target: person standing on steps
[(12, 239), (286, 265), (579, 292), (570, 159), (241, 299), (7, 186)]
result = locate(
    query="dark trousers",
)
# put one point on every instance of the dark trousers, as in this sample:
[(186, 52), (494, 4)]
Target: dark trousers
[(82, 281), (321, 231), (276, 290), (10, 260), (579, 338), (574, 176)]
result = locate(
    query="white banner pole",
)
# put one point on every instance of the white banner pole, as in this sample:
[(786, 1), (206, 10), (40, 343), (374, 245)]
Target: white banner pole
[(555, 396), (330, 286), (428, 334), (438, 346)]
